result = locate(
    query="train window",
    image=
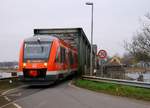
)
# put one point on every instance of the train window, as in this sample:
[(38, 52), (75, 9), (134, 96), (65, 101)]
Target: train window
[(36, 51), (71, 58), (62, 54), (57, 55)]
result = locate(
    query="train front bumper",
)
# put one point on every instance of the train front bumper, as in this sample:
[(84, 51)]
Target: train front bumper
[(35, 80)]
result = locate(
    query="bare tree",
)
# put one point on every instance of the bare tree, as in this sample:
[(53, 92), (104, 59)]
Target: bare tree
[(140, 45), (127, 59)]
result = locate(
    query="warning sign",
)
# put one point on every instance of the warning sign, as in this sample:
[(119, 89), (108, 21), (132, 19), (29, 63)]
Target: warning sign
[(102, 54)]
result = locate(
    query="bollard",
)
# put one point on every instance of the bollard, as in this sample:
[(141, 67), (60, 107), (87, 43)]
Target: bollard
[(10, 81)]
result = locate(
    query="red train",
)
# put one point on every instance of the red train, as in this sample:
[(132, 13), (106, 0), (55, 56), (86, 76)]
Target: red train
[(46, 58)]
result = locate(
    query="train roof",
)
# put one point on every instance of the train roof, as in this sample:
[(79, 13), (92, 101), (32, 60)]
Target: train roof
[(46, 38)]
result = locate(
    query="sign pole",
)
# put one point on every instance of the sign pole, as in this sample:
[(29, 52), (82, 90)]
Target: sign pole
[(102, 54), (101, 68)]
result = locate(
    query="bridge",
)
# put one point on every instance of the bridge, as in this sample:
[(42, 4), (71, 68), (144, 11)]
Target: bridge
[(78, 39), (64, 94)]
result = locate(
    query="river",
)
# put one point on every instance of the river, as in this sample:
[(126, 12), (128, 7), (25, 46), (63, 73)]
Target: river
[(135, 75), (5, 75)]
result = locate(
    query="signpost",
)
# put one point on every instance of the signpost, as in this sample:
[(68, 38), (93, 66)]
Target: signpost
[(102, 54)]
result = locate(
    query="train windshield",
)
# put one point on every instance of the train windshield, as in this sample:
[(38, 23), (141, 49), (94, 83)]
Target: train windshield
[(36, 51)]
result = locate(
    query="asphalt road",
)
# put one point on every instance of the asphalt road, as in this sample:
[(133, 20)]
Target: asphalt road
[(65, 96)]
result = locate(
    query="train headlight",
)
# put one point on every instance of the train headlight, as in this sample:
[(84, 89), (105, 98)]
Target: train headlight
[(45, 64), (24, 64)]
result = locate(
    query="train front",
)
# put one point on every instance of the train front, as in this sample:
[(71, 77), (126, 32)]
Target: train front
[(33, 61)]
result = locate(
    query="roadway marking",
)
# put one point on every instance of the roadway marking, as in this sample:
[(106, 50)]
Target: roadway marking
[(16, 105), (1, 91), (6, 98), (4, 93), (17, 100), (16, 95)]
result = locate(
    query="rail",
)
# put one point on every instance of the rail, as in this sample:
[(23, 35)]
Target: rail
[(118, 81)]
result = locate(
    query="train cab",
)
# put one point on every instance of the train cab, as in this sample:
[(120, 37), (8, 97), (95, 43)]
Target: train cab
[(46, 58)]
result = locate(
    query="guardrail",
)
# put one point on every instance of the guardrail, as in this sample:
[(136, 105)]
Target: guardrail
[(118, 81)]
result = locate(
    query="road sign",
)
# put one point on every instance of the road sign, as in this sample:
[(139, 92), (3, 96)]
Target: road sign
[(102, 54)]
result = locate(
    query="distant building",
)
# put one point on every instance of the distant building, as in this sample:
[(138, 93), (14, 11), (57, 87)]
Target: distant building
[(114, 69), (12, 64), (115, 61)]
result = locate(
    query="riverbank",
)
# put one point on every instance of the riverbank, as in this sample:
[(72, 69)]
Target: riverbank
[(115, 89)]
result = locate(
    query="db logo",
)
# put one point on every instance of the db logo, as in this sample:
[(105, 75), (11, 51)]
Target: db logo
[(34, 65)]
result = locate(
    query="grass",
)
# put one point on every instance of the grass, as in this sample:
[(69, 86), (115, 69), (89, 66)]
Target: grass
[(5, 85), (115, 89)]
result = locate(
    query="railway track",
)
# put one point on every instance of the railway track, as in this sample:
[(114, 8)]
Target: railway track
[(118, 81)]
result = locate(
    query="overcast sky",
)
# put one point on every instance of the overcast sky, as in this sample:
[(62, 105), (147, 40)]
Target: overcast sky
[(114, 21)]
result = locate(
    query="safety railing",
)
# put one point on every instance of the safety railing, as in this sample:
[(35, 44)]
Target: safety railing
[(118, 81)]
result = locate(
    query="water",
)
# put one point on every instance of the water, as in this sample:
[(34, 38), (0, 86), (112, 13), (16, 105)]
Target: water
[(5, 75), (135, 75)]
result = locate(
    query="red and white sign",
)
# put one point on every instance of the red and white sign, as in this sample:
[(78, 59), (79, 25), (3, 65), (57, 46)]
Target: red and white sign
[(102, 54)]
